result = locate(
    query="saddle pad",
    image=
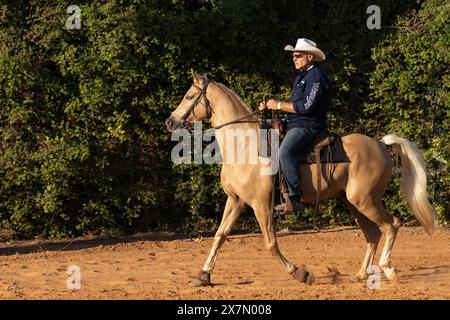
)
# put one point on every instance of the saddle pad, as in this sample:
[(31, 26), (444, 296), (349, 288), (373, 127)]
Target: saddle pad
[(335, 152)]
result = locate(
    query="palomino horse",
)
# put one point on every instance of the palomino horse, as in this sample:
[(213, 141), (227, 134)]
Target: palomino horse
[(362, 182)]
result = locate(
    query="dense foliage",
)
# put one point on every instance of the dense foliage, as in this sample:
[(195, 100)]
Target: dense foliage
[(410, 91), (83, 146)]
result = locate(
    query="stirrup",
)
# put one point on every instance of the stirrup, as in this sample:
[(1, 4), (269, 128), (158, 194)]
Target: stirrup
[(289, 207), (280, 207)]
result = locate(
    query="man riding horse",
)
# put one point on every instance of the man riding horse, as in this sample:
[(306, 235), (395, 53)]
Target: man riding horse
[(361, 182), (307, 118)]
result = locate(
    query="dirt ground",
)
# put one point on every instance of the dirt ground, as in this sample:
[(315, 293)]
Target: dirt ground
[(158, 266)]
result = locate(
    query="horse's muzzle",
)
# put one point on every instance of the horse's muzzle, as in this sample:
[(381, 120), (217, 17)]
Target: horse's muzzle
[(173, 123)]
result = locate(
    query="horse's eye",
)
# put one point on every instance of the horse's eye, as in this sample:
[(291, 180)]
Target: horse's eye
[(189, 96)]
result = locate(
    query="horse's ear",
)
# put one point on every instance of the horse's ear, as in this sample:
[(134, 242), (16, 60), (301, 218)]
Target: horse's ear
[(197, 78)]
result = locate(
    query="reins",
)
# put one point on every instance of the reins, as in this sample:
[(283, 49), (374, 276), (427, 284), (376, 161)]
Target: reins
[(238, 120)]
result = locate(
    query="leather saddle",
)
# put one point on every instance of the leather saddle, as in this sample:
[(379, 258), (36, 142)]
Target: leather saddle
[(325, 148), (323, 139), (321, 144)]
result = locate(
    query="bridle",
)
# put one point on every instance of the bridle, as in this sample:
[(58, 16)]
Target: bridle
[(206, 104), (209, 110)]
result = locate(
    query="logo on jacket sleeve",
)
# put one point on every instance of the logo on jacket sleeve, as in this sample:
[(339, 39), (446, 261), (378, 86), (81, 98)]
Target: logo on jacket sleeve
[(312, 95)]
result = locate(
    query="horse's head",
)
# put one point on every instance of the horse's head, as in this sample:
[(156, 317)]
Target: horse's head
[(195, 105)]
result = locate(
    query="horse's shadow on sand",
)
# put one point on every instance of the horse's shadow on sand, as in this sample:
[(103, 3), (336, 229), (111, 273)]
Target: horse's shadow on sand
[(32, 246), (24, 247), (433, 273)]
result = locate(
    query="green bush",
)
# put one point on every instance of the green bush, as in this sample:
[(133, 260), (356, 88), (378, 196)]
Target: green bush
[(81, 122), (83, 146), (410, 96)]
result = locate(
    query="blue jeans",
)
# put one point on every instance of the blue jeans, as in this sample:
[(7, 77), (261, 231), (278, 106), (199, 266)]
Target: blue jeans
[(295, 141)]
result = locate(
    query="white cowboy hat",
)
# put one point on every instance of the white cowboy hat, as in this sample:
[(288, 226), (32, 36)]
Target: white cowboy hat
[(307, 45)]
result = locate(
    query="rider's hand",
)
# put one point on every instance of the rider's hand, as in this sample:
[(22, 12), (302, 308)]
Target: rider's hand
[(272, 104), (262, 106)]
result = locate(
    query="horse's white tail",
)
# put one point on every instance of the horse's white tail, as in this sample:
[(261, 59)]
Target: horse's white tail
[(413, 184)]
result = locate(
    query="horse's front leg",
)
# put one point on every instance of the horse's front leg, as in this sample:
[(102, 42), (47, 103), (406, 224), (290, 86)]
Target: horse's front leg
[(231, 213), (266, 222)]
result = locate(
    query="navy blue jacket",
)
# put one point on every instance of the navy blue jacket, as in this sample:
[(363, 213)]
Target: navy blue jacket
[(311, 98)]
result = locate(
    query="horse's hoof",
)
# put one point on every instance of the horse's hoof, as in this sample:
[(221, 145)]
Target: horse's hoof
[(303, 275), (394, 279), (358, 278), (391, 274), (202, 279)]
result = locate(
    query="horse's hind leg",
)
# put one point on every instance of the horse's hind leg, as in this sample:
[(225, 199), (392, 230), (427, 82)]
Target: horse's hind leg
[(385, 259), (231, 213), (372, 234), (375, 211)]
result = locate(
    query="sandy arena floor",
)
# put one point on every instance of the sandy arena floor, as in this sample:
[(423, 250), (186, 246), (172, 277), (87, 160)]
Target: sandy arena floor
[(156, 266)]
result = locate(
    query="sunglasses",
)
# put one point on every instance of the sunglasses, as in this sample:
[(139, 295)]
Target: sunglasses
[(298, 55)]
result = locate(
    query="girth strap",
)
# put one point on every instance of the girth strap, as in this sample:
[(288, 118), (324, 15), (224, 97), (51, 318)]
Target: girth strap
[(319, 180)]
